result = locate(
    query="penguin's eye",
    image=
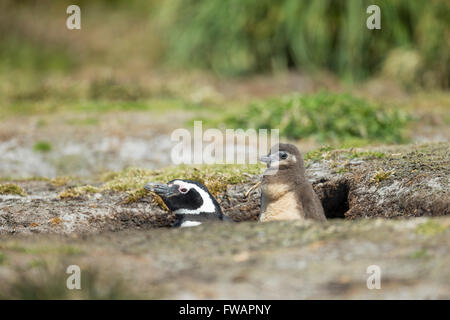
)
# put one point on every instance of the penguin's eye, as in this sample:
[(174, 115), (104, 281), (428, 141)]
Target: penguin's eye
[(184, 190), (283, 155)]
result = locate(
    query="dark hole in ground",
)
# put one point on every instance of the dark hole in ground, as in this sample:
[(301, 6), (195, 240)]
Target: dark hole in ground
[(334, 198)]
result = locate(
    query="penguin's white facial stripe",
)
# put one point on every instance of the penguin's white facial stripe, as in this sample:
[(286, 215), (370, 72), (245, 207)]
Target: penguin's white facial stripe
[(190, 224), (182, 186), (207, 206)]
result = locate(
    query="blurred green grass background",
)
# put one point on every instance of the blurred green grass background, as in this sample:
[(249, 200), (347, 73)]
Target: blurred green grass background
[(141, 55), (264, 35), (233, 37)]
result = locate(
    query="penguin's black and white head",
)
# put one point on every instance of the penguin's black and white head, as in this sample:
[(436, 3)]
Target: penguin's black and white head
[(190, 201), (284, 156)]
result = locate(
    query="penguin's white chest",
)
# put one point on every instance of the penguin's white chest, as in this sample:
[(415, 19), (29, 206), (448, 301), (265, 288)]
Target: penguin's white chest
[(281, 203), (274, 190), (190, 224)]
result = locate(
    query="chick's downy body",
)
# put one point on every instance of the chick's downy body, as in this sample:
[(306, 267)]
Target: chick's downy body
[(286, 193)]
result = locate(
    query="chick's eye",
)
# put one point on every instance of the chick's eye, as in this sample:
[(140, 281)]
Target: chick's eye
[(183, 190), (283, 155)]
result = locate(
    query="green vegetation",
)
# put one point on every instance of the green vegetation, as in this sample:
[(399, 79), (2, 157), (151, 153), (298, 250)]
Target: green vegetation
[(15, 53), (132, 180), (367, 155), (61, 181), (83, 122), (57, 104), (330, 153), (318, 154), (430, 228), (325, 116), (420, 254), (214, 177), (10, 188), (111, 89), (42, 146), (234, 37), (41, 250), (47, 282), (247, 36), (2, 258), (77, 192), (382, 175)]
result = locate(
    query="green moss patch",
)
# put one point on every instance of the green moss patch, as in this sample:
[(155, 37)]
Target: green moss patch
[(10, 188), (214, 177), (382, 175), (330, 153), (132, 180), (427, 158), (77, 192)]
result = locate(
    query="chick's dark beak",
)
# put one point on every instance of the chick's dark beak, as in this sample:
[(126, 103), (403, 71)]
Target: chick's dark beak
[(273, 157), (265, 159), (162, 190)]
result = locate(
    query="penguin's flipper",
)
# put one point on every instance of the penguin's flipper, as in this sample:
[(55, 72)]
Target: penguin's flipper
[(311, 204)]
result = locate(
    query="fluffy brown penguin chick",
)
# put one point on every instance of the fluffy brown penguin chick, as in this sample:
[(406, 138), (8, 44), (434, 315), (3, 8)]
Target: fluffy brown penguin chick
[(286, 194)]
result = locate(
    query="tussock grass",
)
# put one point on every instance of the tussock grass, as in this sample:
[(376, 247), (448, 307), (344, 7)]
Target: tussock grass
[(236, 37)]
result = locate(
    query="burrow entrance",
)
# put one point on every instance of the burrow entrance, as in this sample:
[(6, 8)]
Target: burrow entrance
[(334, 197)]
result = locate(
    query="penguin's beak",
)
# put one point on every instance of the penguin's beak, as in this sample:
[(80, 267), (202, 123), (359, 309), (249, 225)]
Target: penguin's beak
[(162, 190), (268, 159), (265, 159)]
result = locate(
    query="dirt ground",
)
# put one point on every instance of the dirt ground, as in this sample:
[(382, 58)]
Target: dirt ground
[(396, 182), (237, 261), (126, 250)]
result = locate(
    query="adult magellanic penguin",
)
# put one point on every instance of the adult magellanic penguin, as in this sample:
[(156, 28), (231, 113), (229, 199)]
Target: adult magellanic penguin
[(190, 201), (286, 194)]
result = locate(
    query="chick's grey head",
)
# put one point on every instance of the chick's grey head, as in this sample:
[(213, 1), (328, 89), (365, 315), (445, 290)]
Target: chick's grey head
[(284, 156), (186, 197)]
